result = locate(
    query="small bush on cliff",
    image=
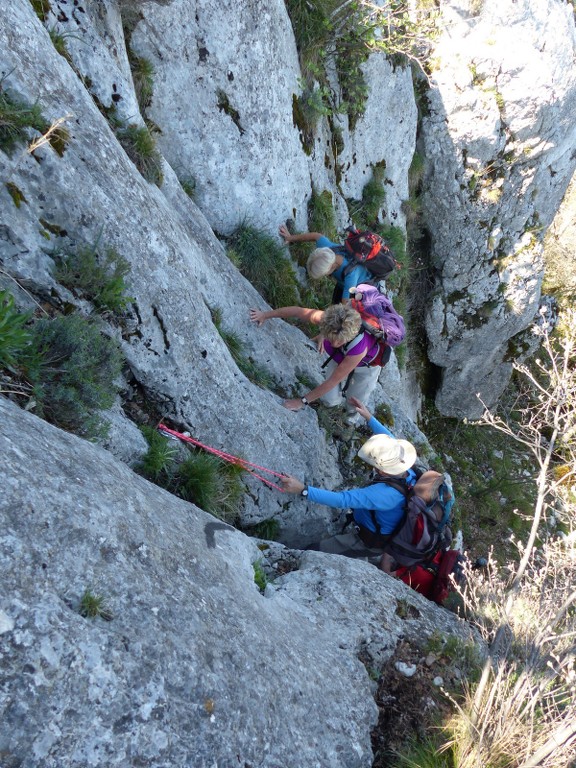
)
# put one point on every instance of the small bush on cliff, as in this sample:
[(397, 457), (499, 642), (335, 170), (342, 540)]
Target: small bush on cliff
[(253, 371), (212, 484), (73, 369), (16, 117), (264, 263), (140, 146), (93, 605), (96, 273), (15, 337)]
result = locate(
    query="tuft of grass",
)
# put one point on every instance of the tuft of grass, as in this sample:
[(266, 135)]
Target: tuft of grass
[(264, 263), (41, 8), (95, 273), (256, 373), (260, 578), (159, 462), (140, 146), (188, 184), (74, 370), (16, 117), (143, 78), (321, 214), (266, 529), (93, 605), (59, 42), (16, 194), (15, 338), (212, 484)]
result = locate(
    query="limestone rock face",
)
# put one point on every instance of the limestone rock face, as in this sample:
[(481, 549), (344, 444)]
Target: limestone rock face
[(179, 273), (224, 96), (191, 665), (499, 144)]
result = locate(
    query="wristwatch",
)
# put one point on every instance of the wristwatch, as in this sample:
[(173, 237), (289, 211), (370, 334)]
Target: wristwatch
[(304, 492), (304, 401)]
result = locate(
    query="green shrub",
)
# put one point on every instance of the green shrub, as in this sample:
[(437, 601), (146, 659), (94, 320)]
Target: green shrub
[(266, 529), (97, 274), (140, 146), (16, 117), (321, 214), (212, 484), (73, 369), (59, 42), (92, 605), (260, 578), (264, 263), (14, 336), (41, 8), (159, 462), (253, 371), (143, 78)]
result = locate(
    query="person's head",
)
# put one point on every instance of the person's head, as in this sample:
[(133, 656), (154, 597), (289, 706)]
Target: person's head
[(321, 262), (340, 323), (388, 455)]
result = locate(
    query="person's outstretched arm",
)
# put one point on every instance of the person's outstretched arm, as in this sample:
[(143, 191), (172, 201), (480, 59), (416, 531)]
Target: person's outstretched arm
[(371, 421), (303, 237), (300, 313)]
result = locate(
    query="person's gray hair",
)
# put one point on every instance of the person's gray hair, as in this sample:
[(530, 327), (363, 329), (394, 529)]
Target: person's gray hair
[(340, 324), (320, 262)]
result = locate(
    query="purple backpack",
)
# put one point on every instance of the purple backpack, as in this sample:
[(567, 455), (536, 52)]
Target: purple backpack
[(378, 314)]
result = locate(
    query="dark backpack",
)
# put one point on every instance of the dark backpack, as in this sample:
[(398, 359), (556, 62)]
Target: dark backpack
[(425, 531), (368, 249), (378, 314)]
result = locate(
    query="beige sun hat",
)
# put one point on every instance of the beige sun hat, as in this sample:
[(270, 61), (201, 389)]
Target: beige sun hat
[(388, 454)]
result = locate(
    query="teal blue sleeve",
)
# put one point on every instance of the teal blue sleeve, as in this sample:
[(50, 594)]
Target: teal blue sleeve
[(377, 428), (356, 276)]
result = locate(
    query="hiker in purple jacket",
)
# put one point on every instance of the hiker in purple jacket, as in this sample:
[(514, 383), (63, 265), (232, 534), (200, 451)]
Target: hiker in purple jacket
[(376, 509), (353, 368)]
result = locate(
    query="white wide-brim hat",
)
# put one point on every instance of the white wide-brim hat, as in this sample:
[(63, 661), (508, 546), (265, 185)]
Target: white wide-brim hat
[(388, 454)]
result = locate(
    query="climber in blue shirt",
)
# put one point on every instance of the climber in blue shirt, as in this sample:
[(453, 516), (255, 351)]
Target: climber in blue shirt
[(378, 508), (329, 259)]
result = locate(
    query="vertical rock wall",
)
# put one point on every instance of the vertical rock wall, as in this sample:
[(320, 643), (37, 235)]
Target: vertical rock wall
[(499, 143)]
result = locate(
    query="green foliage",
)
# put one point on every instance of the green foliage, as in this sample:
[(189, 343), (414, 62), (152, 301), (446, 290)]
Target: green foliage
[(41, 8), (428, 753), (16, 117), (96, 273), (260, 578), (365, 213), (266, 529), (188, 184), (159, 462), (264, 263), (59, 42), (212, 484), (16, 194), (14, 336), (383, 413), (140, 146), (93, 605), (321, 214), (73, 368), (486, 466), (256, 373), (143, 78)]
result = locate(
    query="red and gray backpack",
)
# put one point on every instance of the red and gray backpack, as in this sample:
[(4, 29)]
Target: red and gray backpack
[(421, 546), (368, 249)]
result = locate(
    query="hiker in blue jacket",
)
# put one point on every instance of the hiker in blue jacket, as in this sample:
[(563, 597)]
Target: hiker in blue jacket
[(329, 259), (378, 508)]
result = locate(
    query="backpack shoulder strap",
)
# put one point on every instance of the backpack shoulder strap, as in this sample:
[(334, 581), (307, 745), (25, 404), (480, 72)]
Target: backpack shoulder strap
[(405, 491)]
